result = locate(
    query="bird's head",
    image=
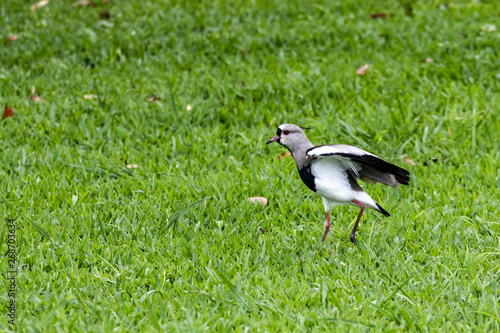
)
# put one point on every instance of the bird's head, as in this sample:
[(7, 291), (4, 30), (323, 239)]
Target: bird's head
[(290, 136)]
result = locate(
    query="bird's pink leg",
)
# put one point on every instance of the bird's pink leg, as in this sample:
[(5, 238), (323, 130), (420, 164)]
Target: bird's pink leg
[(353, 234), (327, 226)]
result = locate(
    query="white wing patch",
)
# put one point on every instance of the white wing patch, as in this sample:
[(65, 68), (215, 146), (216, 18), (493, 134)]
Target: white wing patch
[(330, 153), (336, 149)]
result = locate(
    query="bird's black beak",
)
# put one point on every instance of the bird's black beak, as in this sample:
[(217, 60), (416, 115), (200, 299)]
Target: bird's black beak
[(275, 138)]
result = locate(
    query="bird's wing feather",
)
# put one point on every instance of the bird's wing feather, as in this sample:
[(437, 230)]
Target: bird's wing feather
[(366, 166), (331, 150)]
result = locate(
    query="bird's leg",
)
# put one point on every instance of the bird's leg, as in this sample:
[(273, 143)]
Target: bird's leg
[(353, 233), (327, 226)]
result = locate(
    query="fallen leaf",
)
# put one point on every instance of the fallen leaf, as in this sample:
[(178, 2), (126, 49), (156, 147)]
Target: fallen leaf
[(83, 3), (89, 96), (285, 154), (39, 4), (8, 112), (36, 98), (260, 200), (188, 107), (407, 160), (132, 166), (153, 99), (379, 16), (362, 70), (104, 15), (428, 60), (11, 38)]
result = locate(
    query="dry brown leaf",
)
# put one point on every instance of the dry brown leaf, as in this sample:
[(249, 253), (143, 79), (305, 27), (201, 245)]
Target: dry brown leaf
[(407, 160), (83, 3), (260, 200), (379, 16), (11, 38), (89, 96), (285, 154), (153, 99), (36, 98), (362, 70), (8, 112), (428, 60), (39, 4)]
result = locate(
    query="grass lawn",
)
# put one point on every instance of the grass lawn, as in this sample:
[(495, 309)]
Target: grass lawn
[(189, 93)]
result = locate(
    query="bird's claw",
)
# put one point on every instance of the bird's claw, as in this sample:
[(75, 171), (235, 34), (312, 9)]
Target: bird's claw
[(353, 239)]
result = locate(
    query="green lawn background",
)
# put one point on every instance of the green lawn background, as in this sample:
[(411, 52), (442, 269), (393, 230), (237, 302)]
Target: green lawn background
[(104, 247)]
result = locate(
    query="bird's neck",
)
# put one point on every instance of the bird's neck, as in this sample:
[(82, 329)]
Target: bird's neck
[(299, 153)]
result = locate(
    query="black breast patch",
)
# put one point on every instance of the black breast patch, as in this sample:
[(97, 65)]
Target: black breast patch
[(307, 177)]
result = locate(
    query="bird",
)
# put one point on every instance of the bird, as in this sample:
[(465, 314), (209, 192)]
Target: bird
[(332, 172)]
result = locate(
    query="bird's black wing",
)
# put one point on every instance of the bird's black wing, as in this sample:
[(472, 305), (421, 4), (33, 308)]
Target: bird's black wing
[(364, 165)]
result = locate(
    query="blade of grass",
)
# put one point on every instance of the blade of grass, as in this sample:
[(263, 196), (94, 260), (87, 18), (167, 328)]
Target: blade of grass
[(178, 214)]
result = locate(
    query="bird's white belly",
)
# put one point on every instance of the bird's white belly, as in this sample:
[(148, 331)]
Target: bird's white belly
[(331, 182)]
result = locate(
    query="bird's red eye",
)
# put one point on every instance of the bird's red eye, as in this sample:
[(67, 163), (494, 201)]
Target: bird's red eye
[(286, 132)]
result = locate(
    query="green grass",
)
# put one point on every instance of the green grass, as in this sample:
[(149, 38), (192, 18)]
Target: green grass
[(174, 245)]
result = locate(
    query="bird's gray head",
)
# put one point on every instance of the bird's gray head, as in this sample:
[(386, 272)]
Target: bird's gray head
[(291, 136)]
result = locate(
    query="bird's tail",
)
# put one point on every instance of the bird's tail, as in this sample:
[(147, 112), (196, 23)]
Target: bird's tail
[(383, 211)]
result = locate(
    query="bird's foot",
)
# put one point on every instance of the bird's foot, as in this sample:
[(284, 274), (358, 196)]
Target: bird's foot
[(353, 239)]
